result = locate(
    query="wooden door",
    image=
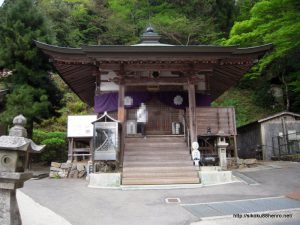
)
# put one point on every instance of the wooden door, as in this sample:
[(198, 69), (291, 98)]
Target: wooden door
[(160, 117)]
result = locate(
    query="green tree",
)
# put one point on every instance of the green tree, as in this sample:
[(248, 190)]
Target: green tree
[(76, 22), (276, 22), (31, 89)]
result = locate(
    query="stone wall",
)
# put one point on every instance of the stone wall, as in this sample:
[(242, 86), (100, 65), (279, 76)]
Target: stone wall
[(67, 170)]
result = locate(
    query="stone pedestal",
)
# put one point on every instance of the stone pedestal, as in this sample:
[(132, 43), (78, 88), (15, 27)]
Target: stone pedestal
[(222, 157), (222, 145), (9, 210)]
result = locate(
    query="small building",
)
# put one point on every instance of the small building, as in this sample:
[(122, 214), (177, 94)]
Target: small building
[(275, 135)]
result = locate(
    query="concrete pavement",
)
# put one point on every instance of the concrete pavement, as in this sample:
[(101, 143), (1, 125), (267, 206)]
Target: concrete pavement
[(80, 205), (33, 213)]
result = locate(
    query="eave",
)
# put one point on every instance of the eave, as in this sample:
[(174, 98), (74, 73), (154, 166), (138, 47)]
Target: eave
[(224, 64)]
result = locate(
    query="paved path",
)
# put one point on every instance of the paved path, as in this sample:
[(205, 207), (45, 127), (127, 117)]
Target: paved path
[(80, 205), (33, 213), (271, 218), (239, 207)]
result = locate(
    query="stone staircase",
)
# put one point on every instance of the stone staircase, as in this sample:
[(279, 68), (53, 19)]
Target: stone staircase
[(157, 160)]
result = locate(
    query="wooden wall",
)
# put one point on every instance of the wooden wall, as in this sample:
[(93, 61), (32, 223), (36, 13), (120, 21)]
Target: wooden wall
[(218, 119), (270, 130), (249, 137)]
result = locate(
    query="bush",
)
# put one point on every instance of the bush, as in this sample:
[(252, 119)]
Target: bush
[(56, 145)]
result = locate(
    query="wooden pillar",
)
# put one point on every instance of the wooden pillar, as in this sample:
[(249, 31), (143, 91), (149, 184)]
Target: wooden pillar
[(235, 147), (121, 118), (235, 134), (192, 112), (121, 109)]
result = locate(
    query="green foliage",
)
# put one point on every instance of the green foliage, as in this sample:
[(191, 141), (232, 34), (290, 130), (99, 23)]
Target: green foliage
[(76, 23), (276, 22), (243, 7), (72, 106), (180, 22), (56, 145), (36, 105), (245, 103), (31, 90)]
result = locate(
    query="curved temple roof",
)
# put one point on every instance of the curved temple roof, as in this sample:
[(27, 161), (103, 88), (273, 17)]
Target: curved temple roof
[(224, 65)]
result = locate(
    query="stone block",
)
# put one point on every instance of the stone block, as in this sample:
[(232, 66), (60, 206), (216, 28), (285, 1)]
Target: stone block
[(250, 161), (239, 161), (215, 177), (210, 168), (100, 180), (74, 167), (80, 167), (66, 165), (242, 166), (55, 169), (81, 174), (55, 164), (53, 174), (73, 174), (62, 174)]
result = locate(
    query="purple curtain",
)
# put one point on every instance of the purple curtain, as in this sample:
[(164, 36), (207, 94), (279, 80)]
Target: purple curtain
[(106, 102), (175, 99), (109, 102), (138, 98)]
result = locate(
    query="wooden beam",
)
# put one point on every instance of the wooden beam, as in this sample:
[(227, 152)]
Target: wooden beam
[(160, 67), (144, 81)]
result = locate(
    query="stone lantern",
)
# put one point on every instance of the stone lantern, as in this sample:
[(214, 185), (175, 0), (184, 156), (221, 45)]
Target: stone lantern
[(14, 151), (222, 145)]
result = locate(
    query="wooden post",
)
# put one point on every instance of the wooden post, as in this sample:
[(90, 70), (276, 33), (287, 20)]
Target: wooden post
[(235, 146), (121, 118), (121, 109), (235, 134), (70, 149), (192, 112), (91, 149)]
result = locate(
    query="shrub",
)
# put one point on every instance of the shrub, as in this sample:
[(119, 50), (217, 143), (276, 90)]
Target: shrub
[(56, 145)]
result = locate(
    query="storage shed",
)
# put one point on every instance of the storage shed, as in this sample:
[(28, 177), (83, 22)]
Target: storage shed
[(275, 135)]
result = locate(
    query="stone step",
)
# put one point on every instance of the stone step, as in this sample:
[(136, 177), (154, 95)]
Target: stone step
[(157, 145), (154, 140), (158, 160), (156, 157), (160, 180), (154, 153), (159, 169), (146, 174), (153, 149), (157, 163)]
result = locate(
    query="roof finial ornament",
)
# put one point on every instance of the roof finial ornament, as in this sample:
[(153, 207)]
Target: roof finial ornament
[(149, 29)]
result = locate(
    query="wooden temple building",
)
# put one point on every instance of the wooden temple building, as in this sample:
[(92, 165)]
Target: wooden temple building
[(177, 84)]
